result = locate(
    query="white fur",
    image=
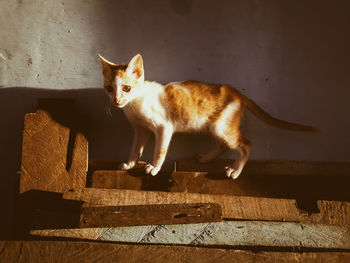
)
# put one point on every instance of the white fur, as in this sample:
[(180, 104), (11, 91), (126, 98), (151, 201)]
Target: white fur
[(220, 127)]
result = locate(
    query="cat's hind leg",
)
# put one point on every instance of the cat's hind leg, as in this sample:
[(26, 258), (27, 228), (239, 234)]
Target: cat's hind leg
[(227, 128), (220, 149), (243, 147)]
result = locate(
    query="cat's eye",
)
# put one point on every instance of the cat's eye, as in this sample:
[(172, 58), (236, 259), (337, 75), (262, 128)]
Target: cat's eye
[(126, 88), (109, 89)]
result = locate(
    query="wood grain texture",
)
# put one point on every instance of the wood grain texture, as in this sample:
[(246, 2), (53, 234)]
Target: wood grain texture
[(269, 167), (234, 207), (54, 152), (149, 215), (226, 233), (112, 216), (116, 179), (305, 181), (278, 179), (68, 251)]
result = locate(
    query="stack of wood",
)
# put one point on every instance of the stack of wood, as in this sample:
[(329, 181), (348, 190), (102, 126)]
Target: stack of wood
[(274, 205)]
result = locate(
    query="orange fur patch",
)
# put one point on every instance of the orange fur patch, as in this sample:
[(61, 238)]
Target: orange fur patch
[(190, 99)]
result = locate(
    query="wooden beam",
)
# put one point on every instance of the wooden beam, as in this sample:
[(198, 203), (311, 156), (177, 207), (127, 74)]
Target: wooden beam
[(277, 179), (54, 150), (233, 207), (69, 251), (149, 215), (116, 179), (226, 233), (113, 216), (236, 207), (263, 167)]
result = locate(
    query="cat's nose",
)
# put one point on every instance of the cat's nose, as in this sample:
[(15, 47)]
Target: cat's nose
[(116, 100)]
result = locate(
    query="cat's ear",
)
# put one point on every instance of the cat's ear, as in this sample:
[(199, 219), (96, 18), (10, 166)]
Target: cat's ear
[(106, 65), (135, 67)]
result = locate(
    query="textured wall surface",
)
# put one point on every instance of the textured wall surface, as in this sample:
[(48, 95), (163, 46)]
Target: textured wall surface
[(291, 57)]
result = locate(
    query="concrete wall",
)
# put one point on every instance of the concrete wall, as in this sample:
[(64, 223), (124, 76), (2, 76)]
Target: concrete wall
[(291, 57)]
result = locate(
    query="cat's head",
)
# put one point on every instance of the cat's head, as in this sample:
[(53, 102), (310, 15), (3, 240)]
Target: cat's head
[(122, 82)]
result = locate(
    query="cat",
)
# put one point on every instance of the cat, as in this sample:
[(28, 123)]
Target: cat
[(187, 106)]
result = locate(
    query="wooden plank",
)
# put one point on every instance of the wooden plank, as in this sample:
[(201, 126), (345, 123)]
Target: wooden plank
[(282, 179), (113, 216), (331, 212), (263, 167), (149, 214), (291, 187), (134, 179), (111, 165), (116, 179), (54, 150), (226, 233), (235, 207), (279, 179), (70, 251)]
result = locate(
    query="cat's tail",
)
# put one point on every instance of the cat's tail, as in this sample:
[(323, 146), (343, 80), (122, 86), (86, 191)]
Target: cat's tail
[(264, 116)]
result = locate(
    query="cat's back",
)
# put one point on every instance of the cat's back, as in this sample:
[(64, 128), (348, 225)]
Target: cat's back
[(192, 103)]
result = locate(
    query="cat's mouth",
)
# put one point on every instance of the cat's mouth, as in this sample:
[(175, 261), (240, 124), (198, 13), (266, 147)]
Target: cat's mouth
[(120, 104)]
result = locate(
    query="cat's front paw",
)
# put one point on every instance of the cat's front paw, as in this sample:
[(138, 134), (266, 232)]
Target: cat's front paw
[(150, 169), (126, 166), (231, 172)]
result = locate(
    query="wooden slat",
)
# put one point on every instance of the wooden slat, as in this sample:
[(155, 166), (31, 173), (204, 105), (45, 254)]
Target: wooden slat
[(226, 233), (282, 179), (331, 212), (279, 179), (236, 207), (269, 167), (233, 207), (69, 251), (117, 179), (113, 216), (149, 215), (54, 151), (134, 179)]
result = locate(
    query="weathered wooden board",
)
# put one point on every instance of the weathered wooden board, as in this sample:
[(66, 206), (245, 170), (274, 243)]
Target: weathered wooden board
[(69, 251), (149, 214), (279, 179), (54, 152), (262, 167), (233, 207), (331, 212), (226, 233), (116, 179), (104, 174), (113, 216), (304, 181), (236, 207)]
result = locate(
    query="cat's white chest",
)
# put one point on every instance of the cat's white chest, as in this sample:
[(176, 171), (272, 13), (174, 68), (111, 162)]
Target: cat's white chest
[(147, 112)]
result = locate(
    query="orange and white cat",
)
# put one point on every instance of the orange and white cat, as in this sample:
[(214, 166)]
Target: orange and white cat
[(187, 106)]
